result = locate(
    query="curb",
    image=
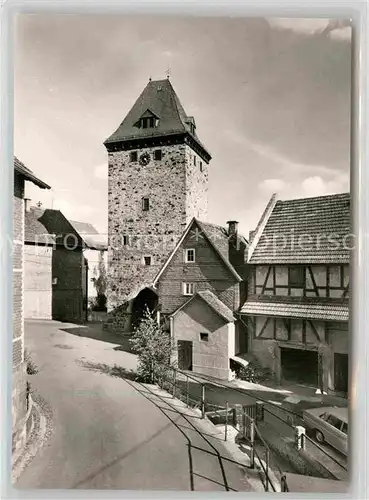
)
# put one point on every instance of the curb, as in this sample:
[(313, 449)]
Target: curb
[(27, 417), (36, 437)]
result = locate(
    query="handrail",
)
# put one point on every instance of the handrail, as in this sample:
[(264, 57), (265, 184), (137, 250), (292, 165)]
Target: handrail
[(169, 376), (325, 452), (235, 389)]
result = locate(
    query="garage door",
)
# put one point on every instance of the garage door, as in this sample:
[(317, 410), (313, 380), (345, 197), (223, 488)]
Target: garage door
[(300, 366)]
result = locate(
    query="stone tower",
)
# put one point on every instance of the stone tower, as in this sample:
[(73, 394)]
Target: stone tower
[(158, 181)]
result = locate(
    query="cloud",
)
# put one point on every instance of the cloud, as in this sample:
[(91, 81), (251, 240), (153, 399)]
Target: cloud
[(343, 26), (316, 186), (335, 28), (101, 171), (272, 186)]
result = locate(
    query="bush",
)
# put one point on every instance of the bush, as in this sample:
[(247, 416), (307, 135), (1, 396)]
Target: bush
[(153, 347), (31, 367), (253, 374), (98, 303)]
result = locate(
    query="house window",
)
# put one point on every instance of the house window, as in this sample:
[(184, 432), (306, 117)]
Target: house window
[(189, 255), (157, 154), (188, 288), (145, 204), (147, 260), (297, 276), (133, 156), (204, 337), (125, 239)]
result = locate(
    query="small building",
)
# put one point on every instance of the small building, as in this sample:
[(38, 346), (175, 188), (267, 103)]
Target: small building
[(199, 288), (19, 391), (56, 278), (203, 329), (297, 310)]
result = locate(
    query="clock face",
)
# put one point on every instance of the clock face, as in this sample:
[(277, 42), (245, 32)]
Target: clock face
[(145, 159)]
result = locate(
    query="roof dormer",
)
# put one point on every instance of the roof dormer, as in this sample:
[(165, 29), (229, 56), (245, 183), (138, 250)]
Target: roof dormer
[(147, 120)]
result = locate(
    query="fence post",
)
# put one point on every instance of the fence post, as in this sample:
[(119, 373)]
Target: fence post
[(244, 433), (267, 469), (300, 437), (187, 390), (252, 443), (203, 401), (259, 411), (174, 382), (226, 423)]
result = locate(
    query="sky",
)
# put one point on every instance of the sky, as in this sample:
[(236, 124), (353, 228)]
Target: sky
[(271, 99)]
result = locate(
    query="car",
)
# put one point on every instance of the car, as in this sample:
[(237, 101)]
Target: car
[(329, 425)]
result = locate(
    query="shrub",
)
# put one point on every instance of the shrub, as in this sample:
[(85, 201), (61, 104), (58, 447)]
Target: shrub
[(253, 374), (31, 367), (153, 347)]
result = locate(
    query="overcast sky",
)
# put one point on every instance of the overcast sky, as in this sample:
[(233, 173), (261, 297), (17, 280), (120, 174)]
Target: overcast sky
[(271, 99)]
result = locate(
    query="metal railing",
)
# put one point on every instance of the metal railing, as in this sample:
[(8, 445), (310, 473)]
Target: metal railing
[(177, 383)]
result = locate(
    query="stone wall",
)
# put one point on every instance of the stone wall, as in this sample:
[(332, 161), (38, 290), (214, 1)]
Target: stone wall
[(177, 192), (18, 363)]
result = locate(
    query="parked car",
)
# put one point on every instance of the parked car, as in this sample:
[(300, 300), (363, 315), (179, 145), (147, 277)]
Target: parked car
[(329, 425)]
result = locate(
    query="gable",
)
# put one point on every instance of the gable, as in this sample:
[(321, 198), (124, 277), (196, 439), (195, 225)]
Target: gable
[(209, 264)]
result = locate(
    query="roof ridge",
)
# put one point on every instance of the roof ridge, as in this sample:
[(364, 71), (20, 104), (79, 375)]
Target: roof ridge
[(333, 195)]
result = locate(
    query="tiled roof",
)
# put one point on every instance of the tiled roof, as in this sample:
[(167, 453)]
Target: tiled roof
[(45, 225), (158, 99), (28, 174), (216, 304), (34, 229), (308, 230), (90, 235), (218, 235), (212, 301), (324, 311)]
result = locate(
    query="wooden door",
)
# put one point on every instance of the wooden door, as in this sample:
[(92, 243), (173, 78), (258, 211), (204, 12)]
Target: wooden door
[(184, 355)]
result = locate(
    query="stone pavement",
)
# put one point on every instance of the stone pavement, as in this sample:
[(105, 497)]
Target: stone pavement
[(110, 432)]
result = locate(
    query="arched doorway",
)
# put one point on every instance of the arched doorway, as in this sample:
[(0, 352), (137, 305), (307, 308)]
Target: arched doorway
[(147, 298)]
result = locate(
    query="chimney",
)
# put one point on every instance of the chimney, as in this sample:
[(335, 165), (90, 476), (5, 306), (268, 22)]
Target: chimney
[(232, 227), (27, 204)]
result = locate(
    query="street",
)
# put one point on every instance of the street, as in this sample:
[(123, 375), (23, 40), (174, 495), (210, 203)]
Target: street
[(112, 433)]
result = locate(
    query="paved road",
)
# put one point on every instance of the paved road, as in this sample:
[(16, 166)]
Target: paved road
[(107, 432)]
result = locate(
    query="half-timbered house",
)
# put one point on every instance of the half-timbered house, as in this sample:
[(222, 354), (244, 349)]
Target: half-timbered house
[(297, 308)]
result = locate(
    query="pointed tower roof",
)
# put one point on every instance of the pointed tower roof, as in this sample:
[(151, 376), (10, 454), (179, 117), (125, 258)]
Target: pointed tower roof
[(159, 100)]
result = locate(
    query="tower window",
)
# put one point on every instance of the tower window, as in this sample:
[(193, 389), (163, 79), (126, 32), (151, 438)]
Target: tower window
[(133, 156), (201, 166), (125, 239), (194, 160), (189, 255), (148, 122), (157, 154), (145, 204), (188, 288), (147, 260)]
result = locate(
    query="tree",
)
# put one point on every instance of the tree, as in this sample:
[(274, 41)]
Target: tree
[(100, 283), (153, 346)]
